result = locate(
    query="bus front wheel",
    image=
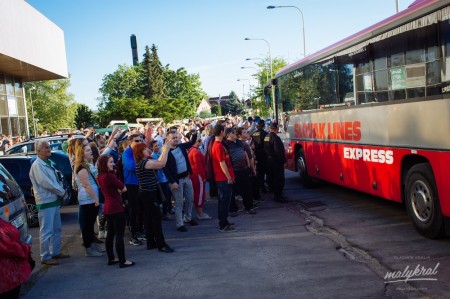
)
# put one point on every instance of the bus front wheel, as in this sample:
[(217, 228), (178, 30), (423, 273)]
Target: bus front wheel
[(422, 201), (302, 171)]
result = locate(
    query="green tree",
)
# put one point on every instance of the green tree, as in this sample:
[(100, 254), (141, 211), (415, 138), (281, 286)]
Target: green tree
[(124, 108), (234, 105), (54, 107), (264, 76), (83, 116), (216, 109), (184, 89), (149, 90), (264, 66), (154, 86), (146, 74), (121, 96), (124, 82)]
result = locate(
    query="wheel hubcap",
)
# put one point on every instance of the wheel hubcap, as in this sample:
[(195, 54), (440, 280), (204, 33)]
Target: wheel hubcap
[(301, 167), (32, 214), (422, 203)]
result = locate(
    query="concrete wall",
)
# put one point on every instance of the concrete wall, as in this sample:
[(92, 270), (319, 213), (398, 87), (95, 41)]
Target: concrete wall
[(30, 42)]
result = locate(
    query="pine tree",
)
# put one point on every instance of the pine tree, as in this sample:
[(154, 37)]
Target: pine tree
[(156, 76), (146, 75)]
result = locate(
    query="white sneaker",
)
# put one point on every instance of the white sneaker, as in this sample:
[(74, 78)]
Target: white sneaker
[(102, 234), (98, 247), (204, 217), (91, 252)]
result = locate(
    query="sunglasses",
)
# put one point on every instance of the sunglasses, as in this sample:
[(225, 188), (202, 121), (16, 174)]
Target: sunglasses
[(138, 140)]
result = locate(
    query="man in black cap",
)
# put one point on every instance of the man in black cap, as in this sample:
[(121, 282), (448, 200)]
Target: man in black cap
[(260, 156), (274, 150)]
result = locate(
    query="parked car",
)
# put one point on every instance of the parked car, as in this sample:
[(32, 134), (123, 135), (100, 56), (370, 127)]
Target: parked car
[(19, 166), (28, 146), (12, 205)]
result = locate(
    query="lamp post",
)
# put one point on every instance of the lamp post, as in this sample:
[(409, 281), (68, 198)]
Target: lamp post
[(243, 92), (271, 72), (303, 22), (270, 55), (32, 111), (250, 67), (267, 73)]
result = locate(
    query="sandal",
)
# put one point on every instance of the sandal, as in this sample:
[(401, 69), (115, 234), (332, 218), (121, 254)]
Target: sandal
[(127, 265), (112, 262)]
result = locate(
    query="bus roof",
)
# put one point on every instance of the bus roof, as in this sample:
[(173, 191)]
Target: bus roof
[(415, 10)]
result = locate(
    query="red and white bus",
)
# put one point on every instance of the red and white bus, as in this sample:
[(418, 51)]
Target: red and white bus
[(372, 112)]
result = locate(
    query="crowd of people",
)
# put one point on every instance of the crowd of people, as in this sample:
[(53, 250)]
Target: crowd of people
[(137, 179)]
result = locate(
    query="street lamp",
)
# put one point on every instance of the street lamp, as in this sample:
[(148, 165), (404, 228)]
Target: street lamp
[(32, 111), (267, 74), (271, 72), (250, 67), (303, 22), (270, 55), (243, 90)]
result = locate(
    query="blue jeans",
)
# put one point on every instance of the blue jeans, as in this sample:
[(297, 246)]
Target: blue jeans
[(50, 232), (225, 191)]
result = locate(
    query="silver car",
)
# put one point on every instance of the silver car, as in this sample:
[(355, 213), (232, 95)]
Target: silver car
[(12, 205)]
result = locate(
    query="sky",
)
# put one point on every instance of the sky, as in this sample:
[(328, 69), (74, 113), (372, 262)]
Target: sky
[(203, 36)]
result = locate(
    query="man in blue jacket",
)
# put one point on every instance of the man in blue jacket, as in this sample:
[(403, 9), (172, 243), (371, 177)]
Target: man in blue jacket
[(131, 182), (177, 171)]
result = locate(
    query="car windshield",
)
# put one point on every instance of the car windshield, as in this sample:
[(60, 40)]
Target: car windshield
[(9, 190)]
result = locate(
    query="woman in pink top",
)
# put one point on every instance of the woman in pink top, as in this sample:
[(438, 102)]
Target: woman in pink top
[(113, 210)]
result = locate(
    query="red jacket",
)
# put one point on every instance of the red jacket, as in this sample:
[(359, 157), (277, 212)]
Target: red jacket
[(14, 258), (197, 162), (110, 185)]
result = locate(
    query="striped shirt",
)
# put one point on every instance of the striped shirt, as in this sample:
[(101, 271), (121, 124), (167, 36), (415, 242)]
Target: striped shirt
[(237, 154), (146, 177)]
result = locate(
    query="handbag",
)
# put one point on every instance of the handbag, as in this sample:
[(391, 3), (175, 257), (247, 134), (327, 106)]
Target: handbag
[(101, 196)]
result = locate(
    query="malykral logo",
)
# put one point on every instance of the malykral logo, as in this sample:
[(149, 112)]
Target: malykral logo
[(416, 274)]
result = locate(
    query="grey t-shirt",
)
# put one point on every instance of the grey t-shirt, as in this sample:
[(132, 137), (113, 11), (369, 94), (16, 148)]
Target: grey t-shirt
[(181, 161)]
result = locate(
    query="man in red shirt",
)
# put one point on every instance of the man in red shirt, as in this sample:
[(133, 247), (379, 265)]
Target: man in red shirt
[(224, 177)]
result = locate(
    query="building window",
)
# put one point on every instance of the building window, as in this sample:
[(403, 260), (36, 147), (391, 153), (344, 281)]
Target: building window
[(5, 126), (14, 126), (9, 85), (23, 126), (2, 84)]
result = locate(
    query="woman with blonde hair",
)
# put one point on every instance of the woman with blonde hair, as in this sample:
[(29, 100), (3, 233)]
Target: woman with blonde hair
[(71, 148), (88, 197)]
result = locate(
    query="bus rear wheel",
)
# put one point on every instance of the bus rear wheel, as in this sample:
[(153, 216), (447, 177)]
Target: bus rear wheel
[(422, 201), (302, 171)]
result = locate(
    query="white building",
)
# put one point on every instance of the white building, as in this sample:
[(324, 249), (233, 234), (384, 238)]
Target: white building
[(31, 49), (203, 106)]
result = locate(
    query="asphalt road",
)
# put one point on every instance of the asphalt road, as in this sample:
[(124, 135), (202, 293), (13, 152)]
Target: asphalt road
[(327, 242)]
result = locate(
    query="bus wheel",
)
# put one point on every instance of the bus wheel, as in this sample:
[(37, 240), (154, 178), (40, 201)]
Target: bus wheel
[(302, 171), (422, 201)]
